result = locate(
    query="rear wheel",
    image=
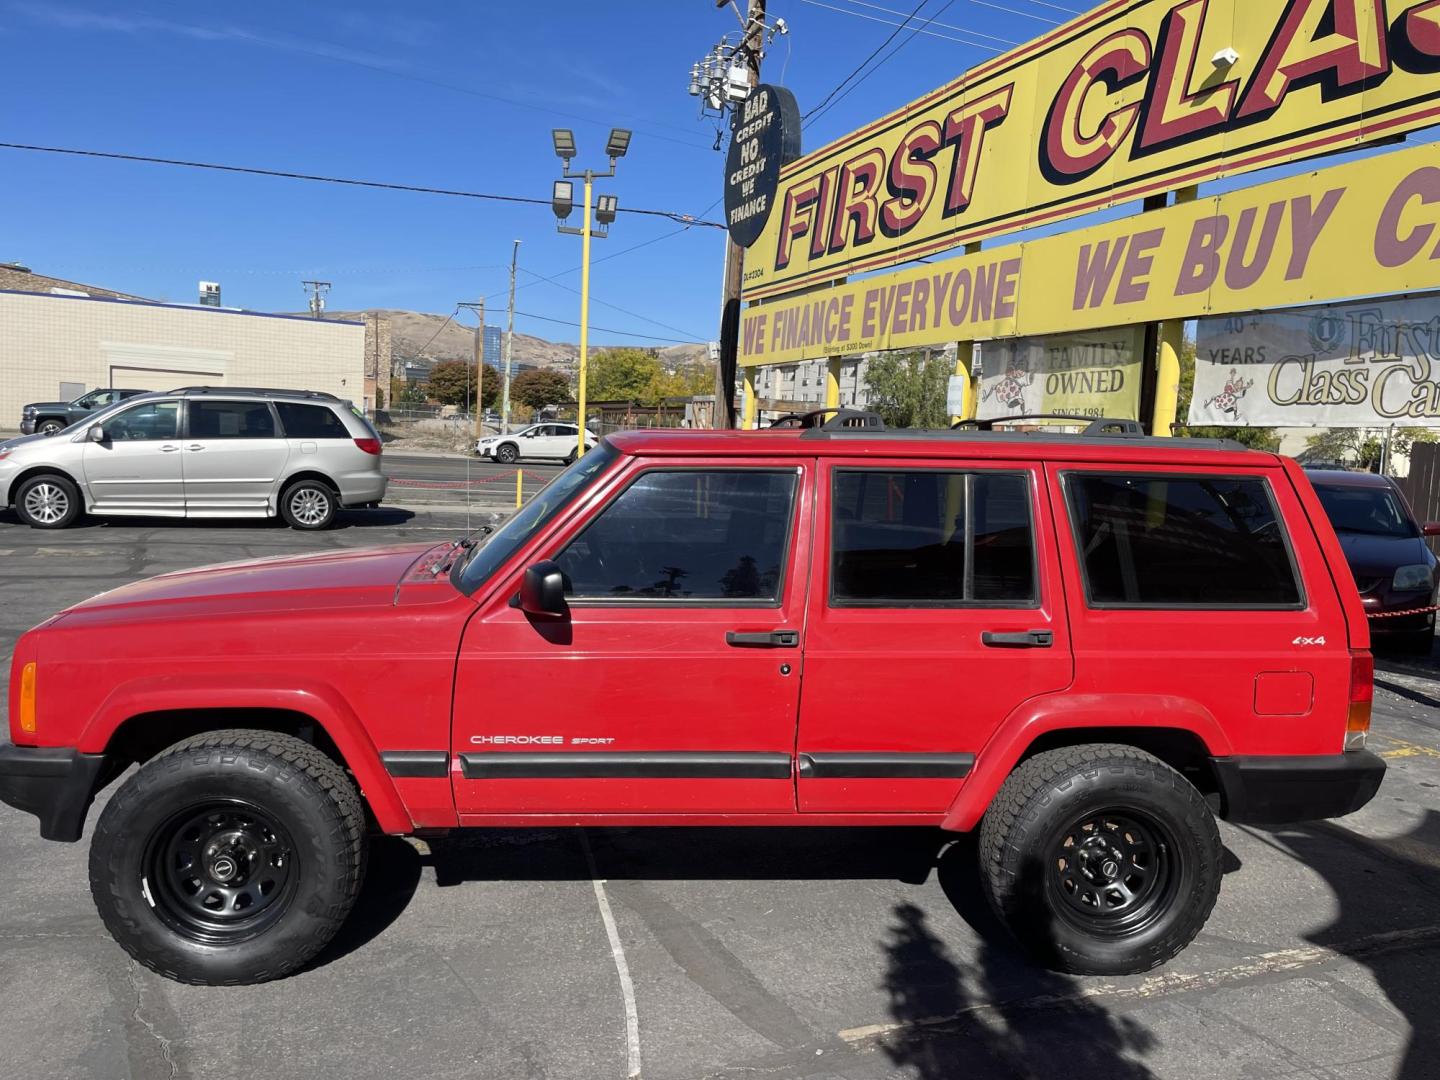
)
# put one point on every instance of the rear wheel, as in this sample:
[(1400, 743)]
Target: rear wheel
[(1101, 859), (308, 504), (48, 501), (231, 858)]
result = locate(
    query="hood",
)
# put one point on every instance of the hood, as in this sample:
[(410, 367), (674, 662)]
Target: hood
[(353, 578), (38, 405), (1379, 556), (24, 440)]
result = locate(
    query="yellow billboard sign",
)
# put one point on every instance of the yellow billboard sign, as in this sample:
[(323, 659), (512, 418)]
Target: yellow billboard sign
[(1364, 228), (1133, 98)]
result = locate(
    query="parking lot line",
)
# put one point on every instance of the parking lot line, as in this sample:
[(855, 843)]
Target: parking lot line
[(622, 966)]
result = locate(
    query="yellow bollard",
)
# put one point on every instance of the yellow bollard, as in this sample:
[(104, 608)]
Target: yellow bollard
[(519, 481)]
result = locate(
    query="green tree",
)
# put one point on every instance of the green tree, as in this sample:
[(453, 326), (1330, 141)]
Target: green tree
[(540, 388), (625, 374), (1362, 447), (452, 382), (1257, 438), (404, 392), (908, 388)]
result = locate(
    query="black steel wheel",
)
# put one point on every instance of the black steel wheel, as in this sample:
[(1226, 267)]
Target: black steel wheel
[(231, 857), (220, 871), (1100, 858)]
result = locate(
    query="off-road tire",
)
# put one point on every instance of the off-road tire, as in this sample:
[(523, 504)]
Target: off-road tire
[(310, 505), (32, 490), (308, 794), (1022, 845), (507, 453)]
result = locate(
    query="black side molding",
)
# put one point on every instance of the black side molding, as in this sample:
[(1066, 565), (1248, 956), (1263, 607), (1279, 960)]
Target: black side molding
[(606, 765), (908, 766), (415, 764)]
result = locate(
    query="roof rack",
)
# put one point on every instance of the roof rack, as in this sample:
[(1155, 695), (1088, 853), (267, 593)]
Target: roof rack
[(1105, 425), (838, 418), (262, 390)]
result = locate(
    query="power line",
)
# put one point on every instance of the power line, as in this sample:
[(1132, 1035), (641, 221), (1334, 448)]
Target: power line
[(449, 319), (867, 60), (605, 303), (606, 329), (684, 219), (922, 30), (884, 60)]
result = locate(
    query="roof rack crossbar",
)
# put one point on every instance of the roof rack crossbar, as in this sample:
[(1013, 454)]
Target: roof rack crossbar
[(831, 418), (1105, 425)]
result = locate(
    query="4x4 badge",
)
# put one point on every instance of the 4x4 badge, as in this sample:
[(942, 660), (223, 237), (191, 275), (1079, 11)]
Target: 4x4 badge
[(1309, 640)]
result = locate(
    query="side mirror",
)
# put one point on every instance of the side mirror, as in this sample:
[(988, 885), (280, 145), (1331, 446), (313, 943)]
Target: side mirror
[(542, 591), (96, 433), (1431, 528)]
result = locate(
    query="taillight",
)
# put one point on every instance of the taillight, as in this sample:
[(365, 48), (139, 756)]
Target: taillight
[(27, 698), (1362, 696), (370, 446)]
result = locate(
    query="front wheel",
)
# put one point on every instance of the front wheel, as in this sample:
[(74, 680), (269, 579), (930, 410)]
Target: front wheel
[(48, 501), (507, 454), (50, 427), (308, 504), (231, 858), (1101, 859)]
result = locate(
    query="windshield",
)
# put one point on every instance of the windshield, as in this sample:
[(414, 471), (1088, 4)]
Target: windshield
[(1371, 511), (535, 515)]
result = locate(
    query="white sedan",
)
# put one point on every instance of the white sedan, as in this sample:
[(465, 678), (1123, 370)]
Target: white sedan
[(557, 441)]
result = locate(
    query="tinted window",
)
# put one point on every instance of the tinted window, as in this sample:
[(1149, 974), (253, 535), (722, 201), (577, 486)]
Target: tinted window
[(143, 423), (1180, 541), (929, 537), (686, 536), (231, 420), (310, 421), (1373, 511)]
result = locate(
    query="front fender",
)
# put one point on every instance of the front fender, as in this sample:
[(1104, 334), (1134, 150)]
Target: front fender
[(319, 701), (1038, 716)]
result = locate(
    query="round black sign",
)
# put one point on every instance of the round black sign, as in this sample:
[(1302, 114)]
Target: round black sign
[(765, 135)]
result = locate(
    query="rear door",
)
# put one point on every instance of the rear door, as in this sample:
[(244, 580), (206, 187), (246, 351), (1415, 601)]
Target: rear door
[(672, 685), (234, 456), (936, 609)]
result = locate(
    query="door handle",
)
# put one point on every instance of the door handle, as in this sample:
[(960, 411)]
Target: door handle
[(195, 446), (168, 449), (771, 639), (1020, 639)]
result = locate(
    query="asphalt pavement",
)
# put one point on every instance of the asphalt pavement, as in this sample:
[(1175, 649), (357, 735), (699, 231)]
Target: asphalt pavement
[(791, 953), (457, 480)]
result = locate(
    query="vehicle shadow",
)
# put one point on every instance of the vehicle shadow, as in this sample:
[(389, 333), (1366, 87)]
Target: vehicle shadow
[(346, 519), (1388, 894)]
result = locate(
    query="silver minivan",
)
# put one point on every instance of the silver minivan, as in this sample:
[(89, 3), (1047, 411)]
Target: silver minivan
[(201, 451)]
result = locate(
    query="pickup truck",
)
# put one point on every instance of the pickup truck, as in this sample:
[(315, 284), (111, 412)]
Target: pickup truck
[(48, 417)]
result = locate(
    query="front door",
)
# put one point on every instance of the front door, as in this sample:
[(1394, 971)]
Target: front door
[(234, 457), (673, 684), (135, 469), (936, 608)]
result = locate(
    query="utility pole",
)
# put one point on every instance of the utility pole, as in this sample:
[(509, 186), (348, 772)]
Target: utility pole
[(317, 291), (751, 48), (509, 345), (479, 310)]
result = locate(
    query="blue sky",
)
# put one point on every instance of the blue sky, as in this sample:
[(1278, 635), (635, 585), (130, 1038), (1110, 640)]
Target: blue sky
[(354, 90)]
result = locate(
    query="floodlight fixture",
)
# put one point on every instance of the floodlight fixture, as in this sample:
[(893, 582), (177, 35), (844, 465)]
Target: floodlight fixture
[(564, 140), (562, 199), (618, 144), (605, 208)]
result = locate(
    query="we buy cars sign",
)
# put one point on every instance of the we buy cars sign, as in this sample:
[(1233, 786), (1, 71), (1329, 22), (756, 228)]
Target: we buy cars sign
[(1133, 98)]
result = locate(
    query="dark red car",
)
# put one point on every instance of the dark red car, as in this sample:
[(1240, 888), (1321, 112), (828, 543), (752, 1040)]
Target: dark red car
[(1086, 647), (1394, 568)]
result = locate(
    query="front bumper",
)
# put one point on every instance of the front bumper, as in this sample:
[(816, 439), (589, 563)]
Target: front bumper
[(1281, 790), (56, 784), (27, 425)]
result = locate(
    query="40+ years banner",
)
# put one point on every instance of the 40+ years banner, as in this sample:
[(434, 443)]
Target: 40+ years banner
[(1367, 364)]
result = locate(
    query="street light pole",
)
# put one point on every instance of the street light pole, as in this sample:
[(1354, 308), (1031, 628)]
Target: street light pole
[(584, 316)]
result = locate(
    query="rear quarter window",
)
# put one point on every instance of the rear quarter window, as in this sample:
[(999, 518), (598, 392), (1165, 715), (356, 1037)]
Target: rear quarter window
[(310, 421), (1150, 540)]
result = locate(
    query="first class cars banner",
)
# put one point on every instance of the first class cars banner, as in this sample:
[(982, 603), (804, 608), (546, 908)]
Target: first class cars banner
[(1368, 227), (1368, 364), (1133, 98)]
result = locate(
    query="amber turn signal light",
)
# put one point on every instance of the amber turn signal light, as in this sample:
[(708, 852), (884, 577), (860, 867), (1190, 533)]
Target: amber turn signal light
[(27, 698)]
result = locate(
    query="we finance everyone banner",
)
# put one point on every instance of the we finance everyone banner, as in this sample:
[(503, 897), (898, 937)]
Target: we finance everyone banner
[(1367, 364), (1366, 227), (1132, 98), (1089, 373)]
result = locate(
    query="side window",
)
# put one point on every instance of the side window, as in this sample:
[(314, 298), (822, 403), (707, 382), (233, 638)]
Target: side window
[(930, 538), (144, 423), (231, 420), (1180, 541), (687, 535), (310, 421), (98, 398)]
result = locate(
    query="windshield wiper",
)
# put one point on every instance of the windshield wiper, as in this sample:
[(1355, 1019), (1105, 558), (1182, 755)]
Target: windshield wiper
[(466, 544)]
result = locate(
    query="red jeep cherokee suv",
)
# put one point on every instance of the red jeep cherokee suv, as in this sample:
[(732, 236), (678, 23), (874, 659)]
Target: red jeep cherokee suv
[(1086, 646)]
